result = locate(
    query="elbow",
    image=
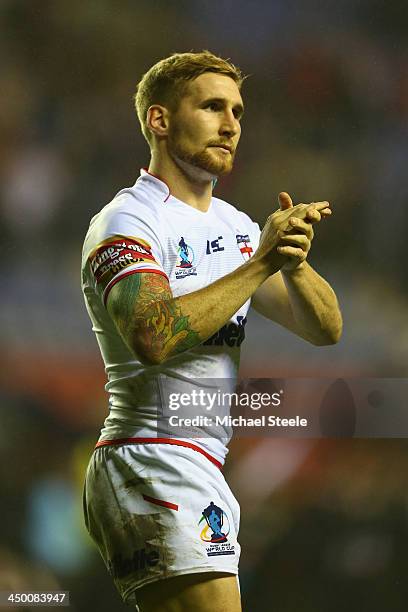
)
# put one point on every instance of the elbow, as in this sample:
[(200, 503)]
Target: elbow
[(336, 336), (144, 352), (331, 334), (147, 357), (328, 339), (143, 346), (337, 329), (145, 349), (148, 360)]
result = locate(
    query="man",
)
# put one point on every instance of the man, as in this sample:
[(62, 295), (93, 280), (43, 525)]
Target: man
[(169, 272)]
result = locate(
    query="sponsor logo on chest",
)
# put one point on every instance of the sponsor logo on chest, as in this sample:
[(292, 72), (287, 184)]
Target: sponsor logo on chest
[(186, 259)]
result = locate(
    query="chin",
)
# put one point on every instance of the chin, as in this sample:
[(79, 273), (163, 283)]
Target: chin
[(203, 165), (214, 171), (213, 165)]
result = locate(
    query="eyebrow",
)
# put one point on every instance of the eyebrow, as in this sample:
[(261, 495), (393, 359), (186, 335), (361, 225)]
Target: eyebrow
[(239, 107)]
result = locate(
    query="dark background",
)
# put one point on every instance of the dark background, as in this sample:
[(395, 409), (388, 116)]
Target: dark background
[(324, 523)]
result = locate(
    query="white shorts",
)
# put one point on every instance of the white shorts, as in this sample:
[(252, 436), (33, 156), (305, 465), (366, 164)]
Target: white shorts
[(159, 510)]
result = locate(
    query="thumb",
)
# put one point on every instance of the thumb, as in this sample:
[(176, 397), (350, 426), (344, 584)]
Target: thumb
[(285, 201)]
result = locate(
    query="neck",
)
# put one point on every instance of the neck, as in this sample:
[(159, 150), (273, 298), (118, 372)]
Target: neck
[(190, 185)]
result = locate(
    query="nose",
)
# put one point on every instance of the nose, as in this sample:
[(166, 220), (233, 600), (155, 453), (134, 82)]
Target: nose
[(230, 125)]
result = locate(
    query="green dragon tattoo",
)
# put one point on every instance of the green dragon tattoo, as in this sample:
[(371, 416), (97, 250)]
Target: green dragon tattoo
[(149, 318)]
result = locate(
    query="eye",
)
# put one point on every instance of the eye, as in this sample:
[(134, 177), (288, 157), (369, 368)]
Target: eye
[(213, 106)]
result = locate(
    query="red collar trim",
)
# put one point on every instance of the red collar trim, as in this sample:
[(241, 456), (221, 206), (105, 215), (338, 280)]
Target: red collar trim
[(146, 171)]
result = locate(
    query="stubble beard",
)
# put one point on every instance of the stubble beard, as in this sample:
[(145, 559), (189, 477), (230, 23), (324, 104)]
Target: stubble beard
[(211, 163)]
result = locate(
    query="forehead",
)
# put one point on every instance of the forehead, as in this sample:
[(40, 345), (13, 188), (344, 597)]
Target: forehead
[(213, 85)]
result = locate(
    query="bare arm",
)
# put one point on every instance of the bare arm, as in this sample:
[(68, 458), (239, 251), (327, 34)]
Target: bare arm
[(302, 302), (297, 297), (156, 326)]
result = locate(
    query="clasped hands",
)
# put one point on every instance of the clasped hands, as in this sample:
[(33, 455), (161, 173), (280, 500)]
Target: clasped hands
[(291, 230)]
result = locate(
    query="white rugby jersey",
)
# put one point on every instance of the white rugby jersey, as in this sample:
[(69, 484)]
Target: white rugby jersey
[(145, 229)]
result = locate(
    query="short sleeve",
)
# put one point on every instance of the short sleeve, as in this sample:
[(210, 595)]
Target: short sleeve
[(248, 242), (123, 240), (255, 232)]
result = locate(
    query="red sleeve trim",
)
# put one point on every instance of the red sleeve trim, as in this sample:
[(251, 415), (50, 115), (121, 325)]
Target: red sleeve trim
[(184, 443), (139, 271), (160, 502)]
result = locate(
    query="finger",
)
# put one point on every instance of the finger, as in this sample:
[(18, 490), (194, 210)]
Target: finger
[(313, 215), (290, 251), (285, 201), (326, 212), (320, 205), (315, 210), (299, 225), (298, 211), (297, 240), (313, 205), (280, 216)]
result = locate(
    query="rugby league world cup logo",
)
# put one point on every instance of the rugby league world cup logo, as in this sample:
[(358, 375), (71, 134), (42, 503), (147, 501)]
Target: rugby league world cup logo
[(214, 517), (185, 260)]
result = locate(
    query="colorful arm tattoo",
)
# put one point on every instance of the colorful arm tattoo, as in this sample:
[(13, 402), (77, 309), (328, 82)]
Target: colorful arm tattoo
[(149, 318)]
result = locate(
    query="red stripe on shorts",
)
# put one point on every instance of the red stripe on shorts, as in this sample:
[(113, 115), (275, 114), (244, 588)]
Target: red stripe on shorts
[(160, 502), (160, 441)]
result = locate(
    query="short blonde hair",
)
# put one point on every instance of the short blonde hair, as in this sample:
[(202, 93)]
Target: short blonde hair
[(165, 82)]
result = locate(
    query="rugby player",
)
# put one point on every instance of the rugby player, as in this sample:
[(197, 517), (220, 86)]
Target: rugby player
[(168, 273)]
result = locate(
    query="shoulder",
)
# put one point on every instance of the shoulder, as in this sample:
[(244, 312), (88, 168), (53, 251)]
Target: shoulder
[(131, 203), (132, 212)]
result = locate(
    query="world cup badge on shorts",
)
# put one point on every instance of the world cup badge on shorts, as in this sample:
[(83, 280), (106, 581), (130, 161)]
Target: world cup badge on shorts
[(215, 531), (185, 260)]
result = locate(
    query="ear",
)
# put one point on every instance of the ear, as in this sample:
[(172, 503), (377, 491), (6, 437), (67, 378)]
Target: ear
[(157, 119)]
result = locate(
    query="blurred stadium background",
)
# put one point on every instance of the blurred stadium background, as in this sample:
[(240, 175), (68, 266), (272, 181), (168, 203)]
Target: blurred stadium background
[(324, 523)]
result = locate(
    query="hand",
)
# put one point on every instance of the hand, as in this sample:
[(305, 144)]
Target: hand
[(296, 240), (286, 237)]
